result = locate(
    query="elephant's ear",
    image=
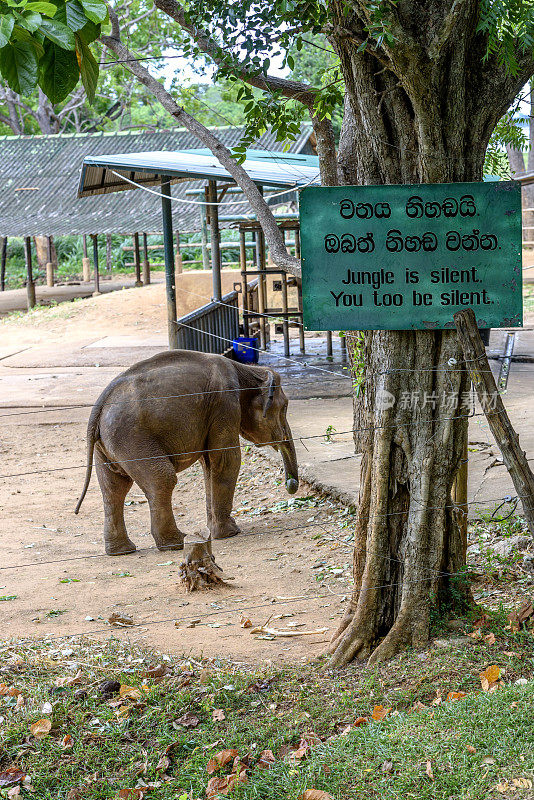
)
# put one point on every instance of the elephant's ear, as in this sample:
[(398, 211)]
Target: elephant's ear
[(267, 391)]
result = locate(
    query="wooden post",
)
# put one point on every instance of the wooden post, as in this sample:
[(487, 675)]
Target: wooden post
[(49, 263), (109, 260), (94, 237), (30, 286), (146, 262), (215, 242), (170, 279), (507, 439), (86, 264), (3, 259), (137, 260), (459, 496)]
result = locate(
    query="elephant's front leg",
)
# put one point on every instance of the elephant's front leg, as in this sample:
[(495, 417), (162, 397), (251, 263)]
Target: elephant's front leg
[(223, 472)]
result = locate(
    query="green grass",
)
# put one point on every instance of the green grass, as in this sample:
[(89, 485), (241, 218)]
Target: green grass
[(118, 744)]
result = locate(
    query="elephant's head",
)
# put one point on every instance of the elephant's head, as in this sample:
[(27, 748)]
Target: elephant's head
[(264, 421)]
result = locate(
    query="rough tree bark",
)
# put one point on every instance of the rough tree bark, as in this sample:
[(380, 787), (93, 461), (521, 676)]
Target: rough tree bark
[(419, 107), (420, 110)]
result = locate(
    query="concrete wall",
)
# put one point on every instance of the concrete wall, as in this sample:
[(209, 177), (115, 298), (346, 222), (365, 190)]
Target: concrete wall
[(194, 288)]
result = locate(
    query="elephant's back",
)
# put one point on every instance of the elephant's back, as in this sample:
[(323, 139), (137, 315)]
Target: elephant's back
[(168, 393)]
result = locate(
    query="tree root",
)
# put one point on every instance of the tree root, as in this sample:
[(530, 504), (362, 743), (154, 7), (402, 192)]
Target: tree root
[(199, 570)]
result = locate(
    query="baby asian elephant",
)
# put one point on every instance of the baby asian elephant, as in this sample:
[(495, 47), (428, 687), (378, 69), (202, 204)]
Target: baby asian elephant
[(166, 413)]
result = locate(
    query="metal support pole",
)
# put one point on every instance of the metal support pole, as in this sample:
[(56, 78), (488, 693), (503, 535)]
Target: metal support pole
[(329, 348), (285, 307), (137, 260), (146, 262), (261, 290), (30, 286), (94, 237), (244, 285), (170, 279), (204, 234), (215, 242), (3, 259)]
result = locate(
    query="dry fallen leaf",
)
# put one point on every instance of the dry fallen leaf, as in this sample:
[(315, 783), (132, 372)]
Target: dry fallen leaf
[(245, 622), (476, 634), (188, 720), (471, 749), (315, 794), (490, 638), (67, 743), (428, 771), (522, 783), (380, 713), (11, 776), (120, 621), (41, 728), (489, 678), (139, 793), (502, 787), (13, 792), (218, 715), (455, 695), (220, 760), (266, 759), (130, 692)]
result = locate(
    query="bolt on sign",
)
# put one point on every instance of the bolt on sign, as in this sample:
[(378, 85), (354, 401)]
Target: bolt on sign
[(410, 257)]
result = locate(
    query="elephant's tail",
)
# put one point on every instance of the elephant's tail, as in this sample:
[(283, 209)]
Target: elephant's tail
[(92, 436)]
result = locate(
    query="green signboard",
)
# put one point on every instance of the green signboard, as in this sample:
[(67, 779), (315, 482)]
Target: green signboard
[(410, 257)]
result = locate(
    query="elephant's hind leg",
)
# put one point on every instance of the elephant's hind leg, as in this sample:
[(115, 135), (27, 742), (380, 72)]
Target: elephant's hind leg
[(157, 482), (114, 488)]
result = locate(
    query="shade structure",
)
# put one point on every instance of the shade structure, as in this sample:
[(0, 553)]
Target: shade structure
[(109, 173), (39, 178)]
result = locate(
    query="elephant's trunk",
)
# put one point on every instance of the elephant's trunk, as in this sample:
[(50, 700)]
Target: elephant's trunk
[(289, 457)]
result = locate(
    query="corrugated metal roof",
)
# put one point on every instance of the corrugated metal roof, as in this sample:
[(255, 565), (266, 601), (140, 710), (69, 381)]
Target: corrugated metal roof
[(39, 179), (101, 174)]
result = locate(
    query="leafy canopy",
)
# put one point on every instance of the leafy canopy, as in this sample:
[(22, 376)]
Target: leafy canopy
[(46, 43)]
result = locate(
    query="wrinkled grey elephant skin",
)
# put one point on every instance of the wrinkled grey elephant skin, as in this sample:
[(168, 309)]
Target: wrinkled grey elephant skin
[(166, 413)]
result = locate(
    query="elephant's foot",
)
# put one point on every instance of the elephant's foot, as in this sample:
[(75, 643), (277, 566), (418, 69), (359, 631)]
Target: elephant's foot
[(170, 542), (224, 530), (119, 547)]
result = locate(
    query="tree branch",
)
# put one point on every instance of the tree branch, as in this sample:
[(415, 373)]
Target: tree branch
[(273, 236), (293, 89)]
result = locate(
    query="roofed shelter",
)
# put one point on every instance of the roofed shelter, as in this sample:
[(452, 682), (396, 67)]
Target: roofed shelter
[(120, 173), (39, 178)]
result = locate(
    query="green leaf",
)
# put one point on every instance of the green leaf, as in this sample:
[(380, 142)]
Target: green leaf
[(18, 65), (48, 9), (72, 15), (30, 21), (6, 28), (58, 33), (88, 67), (59, 72), (96, 10), (89, 32)]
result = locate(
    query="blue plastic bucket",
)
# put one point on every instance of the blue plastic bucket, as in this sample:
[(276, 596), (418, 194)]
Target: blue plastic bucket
[(246, 349)]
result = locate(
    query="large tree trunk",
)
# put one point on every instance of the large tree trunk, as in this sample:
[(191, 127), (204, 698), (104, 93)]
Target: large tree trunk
[(422, 122)]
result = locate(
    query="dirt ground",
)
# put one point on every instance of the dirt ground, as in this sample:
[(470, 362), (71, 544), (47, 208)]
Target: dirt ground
[(291, 564), (272, 561)]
